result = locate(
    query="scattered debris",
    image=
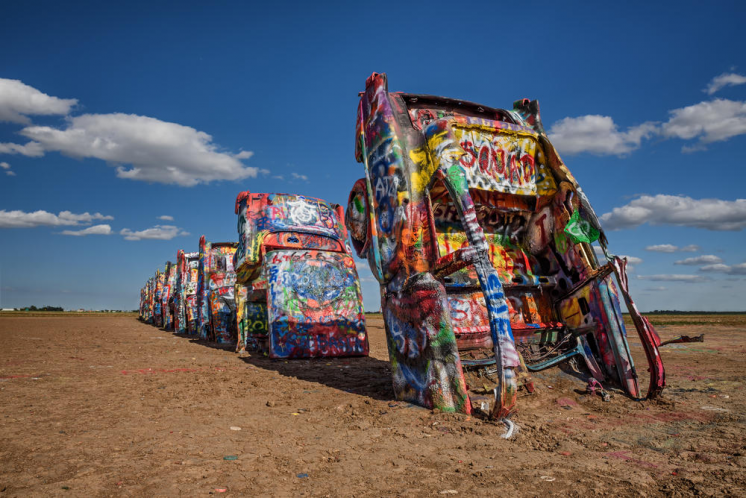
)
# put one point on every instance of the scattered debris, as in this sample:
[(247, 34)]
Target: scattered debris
[(595, 387), (684, 339)]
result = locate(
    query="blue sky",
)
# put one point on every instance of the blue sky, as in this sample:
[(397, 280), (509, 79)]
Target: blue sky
[(112, 116)]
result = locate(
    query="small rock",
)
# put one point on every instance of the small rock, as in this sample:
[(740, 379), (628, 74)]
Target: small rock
[(270, 403)]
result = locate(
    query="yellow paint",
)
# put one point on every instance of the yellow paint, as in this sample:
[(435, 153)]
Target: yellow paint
[(425, 169), (509, 145)]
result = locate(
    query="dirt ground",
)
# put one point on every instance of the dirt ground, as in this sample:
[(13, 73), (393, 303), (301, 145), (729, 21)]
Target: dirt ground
[(106, 405)]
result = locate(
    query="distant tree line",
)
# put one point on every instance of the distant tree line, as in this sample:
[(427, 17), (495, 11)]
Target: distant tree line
[(43, 308), (60, 308), (677, 312)]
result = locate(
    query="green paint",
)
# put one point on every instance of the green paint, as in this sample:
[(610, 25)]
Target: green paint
[(580, 230)]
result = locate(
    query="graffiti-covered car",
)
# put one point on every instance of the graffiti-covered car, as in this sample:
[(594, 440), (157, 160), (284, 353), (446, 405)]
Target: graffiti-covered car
[(160, 280), (215, 288), (298, 289), (480, 238), (148, 304), (169, 284), (141, 308), (185, 298)]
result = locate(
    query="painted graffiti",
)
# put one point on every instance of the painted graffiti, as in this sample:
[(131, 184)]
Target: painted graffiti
[(302, 294), (479, 218)]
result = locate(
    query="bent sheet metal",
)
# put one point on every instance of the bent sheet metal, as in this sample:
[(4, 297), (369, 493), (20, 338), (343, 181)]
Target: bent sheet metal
[(297, 285), (480, 239)]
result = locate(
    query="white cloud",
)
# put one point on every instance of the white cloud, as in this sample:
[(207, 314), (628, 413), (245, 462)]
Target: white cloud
[(712, 121), (244, 154), (674, 278), (6, 167), (662, 248), (739, 269), (31, 149), (669, 248), (21, 219), (598, 135), (705, 259), (710, 214), (18, 101), (158, 232), (278, 177), (94, 230), (691, 248), (144, 148), (166, 218), (725, 79), (296, 176)]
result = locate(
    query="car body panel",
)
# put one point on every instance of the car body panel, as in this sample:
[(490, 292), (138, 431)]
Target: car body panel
[(169, 284), (297, 285), (314, 305), (160, 278), (185, 319), (471, 209), (215, 299)]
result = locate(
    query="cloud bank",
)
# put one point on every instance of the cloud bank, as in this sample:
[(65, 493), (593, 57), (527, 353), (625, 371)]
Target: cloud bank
[(713, 121), (158, 232), (143, 148), (725, 79), (94, 230), (31, 149), (739, 269), (706, 259), (710, 214), (597, 135), (672, 248), (691, 279), (21, 219), (18, 101)]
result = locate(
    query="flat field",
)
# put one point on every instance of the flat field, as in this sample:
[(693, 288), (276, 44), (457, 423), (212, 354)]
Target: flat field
[(105, 405)]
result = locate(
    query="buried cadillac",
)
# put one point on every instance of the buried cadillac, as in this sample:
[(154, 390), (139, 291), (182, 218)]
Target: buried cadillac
[(216, 282), (185, 297), (297, 289), (480, 239)]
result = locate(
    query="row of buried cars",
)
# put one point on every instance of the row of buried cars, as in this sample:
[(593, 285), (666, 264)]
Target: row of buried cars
[(479, 237), (289, 288)]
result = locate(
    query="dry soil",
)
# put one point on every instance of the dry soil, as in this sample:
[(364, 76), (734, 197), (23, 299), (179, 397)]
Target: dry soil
[(106, 405)]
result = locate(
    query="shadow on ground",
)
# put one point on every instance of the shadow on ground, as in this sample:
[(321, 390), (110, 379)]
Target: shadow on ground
[(366, 376)]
